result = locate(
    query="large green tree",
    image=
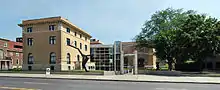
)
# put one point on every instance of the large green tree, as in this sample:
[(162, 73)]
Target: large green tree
[(159, 32), (199, 37), (179, 35)]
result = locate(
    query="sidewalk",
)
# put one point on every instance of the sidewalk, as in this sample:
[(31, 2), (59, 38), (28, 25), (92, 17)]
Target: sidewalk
[(130, 78)]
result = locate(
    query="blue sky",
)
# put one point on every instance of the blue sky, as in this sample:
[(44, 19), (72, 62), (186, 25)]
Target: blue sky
[(106, 20)]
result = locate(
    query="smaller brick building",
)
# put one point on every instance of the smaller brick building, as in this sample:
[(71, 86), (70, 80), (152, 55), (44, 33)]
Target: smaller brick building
[(11, 55)]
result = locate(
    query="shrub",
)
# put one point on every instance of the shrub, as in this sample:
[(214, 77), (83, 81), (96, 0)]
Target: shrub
[(195, 66)]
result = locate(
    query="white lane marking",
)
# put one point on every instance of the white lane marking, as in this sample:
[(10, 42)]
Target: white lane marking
[(15, 88), (35, 83), (171, 89)]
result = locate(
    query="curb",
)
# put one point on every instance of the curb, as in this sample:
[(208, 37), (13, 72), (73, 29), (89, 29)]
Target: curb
[(110, 80)]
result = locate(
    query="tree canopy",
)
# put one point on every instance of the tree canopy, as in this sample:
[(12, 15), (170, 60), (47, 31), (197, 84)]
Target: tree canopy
[(179, 35)]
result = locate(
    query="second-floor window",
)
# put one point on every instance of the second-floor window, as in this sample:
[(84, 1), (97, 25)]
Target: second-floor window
[(17, 54), (30, 41), (51, 27), (29, 29), (52, 40), (80, 46), (75, 33), (68, 30), (67, 41), (80, 36), (5, 44), (85, 47), (75, 44)]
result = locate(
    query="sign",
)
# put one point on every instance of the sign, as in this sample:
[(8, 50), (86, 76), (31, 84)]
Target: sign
[(47, 71)]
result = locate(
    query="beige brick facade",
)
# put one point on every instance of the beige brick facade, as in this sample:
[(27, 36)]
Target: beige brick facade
[(41, 48)]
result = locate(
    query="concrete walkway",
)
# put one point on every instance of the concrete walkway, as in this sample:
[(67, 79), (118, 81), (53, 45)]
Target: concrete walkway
[(131, 78)]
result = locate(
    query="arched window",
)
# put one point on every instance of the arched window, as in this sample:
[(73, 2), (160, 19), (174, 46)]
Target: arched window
[(78, 58), (52, 58), (68, 58), (30, 58)]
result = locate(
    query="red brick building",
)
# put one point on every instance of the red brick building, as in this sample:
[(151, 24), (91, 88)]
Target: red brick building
[(11, 55)]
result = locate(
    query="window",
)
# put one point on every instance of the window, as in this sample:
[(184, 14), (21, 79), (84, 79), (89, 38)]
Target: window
[(30, 41), (29, 29), (86, 38), (52, 40), (75, 43), (17, 62), (17, 54), (80, 35), (68, 30), (51, 67), (52, 58), (51, 27), (30, 58), (85, 47), (68, 58), (78, 58), (75, 33), (80, 46), (67, 41), (5, 44)]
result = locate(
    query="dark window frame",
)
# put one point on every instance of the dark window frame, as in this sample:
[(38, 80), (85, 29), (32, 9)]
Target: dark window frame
[(51, 27), (68, 30), (67, 41), (30, 58), (52, 40), (52, 58), (68, 57), (30, 41), (29, 29)]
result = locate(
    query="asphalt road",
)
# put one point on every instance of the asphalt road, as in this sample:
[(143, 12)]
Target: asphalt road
[(58, 84)]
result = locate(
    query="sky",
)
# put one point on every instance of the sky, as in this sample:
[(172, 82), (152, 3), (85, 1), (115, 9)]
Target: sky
[(106, 20)]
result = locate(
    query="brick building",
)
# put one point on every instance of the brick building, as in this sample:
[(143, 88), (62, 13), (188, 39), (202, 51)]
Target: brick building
[(10, 54)]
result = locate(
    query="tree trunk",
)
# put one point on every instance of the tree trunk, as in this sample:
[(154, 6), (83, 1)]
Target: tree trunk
[(170, 65)]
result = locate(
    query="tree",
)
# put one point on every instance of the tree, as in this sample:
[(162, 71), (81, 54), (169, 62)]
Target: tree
[(165, 46), (199, 36), (160, 30), (178, 36)]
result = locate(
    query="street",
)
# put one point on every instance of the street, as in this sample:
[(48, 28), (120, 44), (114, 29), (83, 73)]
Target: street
[(58, 84)]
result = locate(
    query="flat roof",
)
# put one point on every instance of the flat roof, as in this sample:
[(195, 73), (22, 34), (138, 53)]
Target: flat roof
[(100, 45), (52, 19)]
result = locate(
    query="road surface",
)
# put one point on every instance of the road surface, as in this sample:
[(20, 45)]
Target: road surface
[(58, 84)]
